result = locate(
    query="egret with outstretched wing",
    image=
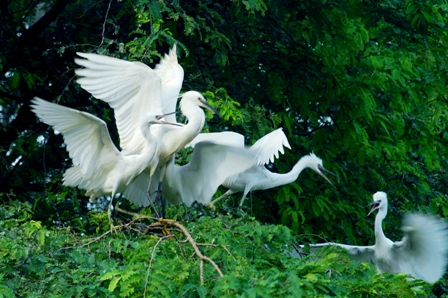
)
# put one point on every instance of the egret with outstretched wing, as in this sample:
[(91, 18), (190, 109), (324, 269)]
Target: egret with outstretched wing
[(98, 166), (132, 87), (422, 253), (259, 177)]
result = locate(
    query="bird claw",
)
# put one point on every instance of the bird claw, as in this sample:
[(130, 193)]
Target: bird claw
[(165, 231), (211, 206)]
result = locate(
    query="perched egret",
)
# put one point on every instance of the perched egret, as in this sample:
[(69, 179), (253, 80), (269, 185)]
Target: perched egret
[(422, 253), (216, 157), (99, 167), (260, 178), (132, 87)]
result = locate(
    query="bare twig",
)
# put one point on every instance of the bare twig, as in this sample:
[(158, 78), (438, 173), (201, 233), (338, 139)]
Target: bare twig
[(165, 222), (150, 262), (201, 271), (223, 246), (133, 214), (104, 24), (93, 240), (206, 244), (66, 86), (96, 239)]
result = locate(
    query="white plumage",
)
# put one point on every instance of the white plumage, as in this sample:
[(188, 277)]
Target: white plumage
[(422, 253), (258, 177), (209, 166), (132, 88), (98, 166)]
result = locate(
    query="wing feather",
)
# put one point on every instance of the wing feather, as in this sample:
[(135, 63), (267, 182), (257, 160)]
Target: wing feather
[(423, 251), (172, 77), (132, 89), (228, 138), (209, 166), (270, 145), (87, 137), (355, 252)]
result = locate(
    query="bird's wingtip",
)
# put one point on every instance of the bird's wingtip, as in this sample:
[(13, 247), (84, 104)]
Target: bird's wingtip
[(81, 54)]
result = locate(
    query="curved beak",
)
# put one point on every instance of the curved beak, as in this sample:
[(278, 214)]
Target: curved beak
[(323, 170), (375, 205)]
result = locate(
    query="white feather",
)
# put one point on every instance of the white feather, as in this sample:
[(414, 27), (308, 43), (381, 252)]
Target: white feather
[(422, 252)]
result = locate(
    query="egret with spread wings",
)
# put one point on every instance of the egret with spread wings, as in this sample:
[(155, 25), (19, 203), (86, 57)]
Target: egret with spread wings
[(258, 177), (422, 253), (131, 88), (98, 166)]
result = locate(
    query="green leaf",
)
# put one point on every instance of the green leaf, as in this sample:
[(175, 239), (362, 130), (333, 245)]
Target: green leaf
[(113, 283)]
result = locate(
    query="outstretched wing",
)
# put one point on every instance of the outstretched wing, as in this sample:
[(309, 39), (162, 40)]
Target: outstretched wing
[(87, 137), (356, 253), (132, 89), (228, 138), (269, 146), (423, 251), (172, 76), (209, 166)]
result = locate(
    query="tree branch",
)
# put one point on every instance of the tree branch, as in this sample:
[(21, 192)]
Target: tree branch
[(30, 35)]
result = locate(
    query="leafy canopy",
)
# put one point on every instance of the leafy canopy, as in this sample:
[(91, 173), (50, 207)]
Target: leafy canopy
[(360, 83)]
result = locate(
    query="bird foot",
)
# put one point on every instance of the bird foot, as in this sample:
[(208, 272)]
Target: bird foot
[(165, 231), (211, 206)]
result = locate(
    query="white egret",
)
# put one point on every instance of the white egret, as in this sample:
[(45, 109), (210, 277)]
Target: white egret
[(260, 178), (216, 157), (209, 166), (99, 168), (422, 253), (171, 74), (133, 87), (211, 163)]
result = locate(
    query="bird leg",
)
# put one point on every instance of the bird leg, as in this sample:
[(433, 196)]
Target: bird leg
[(109, 215), (187, 213), (211, 205), (151, 202), (242, 199), (161, 202)]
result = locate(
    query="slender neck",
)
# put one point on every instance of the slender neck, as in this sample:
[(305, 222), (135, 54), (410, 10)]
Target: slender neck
[(195, 116), (151, 144), (379, 234), (178, 138), (291, 176)]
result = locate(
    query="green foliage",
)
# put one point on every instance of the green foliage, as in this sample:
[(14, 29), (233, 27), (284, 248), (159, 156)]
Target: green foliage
[(362, 84), (42, 262)]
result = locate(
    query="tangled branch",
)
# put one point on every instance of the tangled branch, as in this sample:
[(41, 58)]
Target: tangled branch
[(162, 223)]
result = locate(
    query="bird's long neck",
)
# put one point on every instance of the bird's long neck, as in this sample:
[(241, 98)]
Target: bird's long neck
[(151, 143), (379, 234), (195, 116), (291, 176), (196, 120)]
